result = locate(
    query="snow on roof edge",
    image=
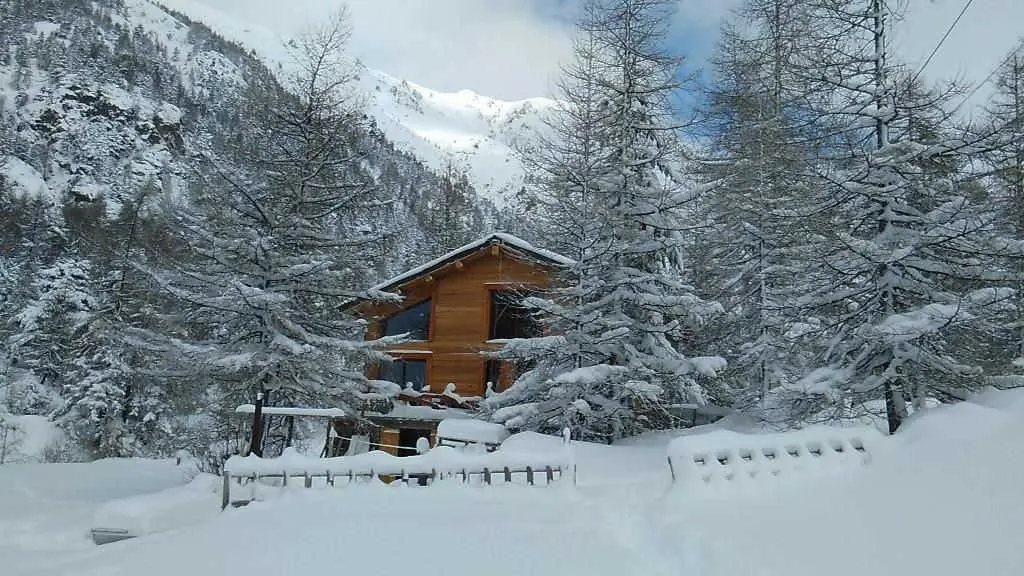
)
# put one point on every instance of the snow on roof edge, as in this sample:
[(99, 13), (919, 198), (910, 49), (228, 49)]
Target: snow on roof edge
[(505, 238), (290, 411)]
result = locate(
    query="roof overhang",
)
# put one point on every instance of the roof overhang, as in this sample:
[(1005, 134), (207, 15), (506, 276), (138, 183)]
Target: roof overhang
[(512, 245)]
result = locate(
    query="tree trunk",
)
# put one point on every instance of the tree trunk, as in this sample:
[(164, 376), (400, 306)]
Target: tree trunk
[(291, 432), (895, 406)]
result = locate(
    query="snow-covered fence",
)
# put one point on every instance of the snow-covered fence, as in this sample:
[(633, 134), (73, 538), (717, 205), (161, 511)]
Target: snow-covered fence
[(441, 462), (724, 457)]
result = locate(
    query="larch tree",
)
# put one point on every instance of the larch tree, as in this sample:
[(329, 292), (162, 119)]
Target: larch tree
[(1003, 131), (274, 253), (903, 279), (608, 192), (756, 228)]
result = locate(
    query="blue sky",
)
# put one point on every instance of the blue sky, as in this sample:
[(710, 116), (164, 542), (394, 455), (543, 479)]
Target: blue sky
[(511, 48)]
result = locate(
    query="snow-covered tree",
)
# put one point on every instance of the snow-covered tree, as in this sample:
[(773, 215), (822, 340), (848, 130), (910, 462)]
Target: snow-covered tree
[(755, 224), (449, 212), (273, 253), (902, 273), (1003, 129), (607, 191), (63, 339)]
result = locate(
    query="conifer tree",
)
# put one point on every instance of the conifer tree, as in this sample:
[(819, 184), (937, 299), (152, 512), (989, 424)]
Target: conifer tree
[(609, 193), (902, 279), (756, 229), (1003, 127), (278, 250)]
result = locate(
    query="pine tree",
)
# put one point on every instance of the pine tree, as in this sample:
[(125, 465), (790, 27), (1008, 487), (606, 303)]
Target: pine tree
[(448, 212), (608, 193)]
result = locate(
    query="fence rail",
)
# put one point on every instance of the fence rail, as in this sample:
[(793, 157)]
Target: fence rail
[(486, 474)]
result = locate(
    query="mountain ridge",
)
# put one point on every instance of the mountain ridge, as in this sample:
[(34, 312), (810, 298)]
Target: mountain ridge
[(473, 133)]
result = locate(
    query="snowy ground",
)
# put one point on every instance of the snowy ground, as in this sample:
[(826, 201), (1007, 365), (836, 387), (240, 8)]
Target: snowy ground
[(944, 497), (46, 510)]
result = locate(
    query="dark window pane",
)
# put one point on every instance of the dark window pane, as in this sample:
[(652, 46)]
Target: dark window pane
[(404, 372), (415, 321), (509, 319), (416, 373), (392, 371)]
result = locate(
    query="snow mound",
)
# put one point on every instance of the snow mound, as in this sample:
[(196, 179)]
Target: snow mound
[(173, 508), (26, 180), (726, 460), (942, 498), (468, 430), (28, 437)]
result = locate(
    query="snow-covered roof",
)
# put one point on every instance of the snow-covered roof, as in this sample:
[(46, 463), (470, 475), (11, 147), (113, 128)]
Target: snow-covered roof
[(500, 238), (469, 430), (402, 411), (289, 411)]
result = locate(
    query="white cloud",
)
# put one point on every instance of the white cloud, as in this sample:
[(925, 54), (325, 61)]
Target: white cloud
[(982, 39), (502, 48), (512, 48)]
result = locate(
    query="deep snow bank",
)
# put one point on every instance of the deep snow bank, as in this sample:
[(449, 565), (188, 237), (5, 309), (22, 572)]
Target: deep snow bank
[(943, 497), (46, 510)]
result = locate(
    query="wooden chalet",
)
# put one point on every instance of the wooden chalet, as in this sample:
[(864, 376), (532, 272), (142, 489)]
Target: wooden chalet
[(453, 310)]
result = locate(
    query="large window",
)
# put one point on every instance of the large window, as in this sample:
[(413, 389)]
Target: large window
[(405, 372), (415, 321), (509, 319)]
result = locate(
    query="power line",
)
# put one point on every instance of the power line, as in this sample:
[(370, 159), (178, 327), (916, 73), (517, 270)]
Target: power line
[(943, 40), (1015, 52)]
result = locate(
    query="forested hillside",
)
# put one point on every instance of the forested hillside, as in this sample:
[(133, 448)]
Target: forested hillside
[(135, 145)]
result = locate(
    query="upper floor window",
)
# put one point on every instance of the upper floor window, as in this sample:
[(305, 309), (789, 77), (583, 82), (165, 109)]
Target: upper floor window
[(415, 321), (509, 319)]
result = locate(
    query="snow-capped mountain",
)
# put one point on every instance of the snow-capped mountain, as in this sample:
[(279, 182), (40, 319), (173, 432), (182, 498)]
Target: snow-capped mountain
[(475, 133)]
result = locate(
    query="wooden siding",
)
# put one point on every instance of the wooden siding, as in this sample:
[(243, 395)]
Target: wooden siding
[(388, 440), (460, 315)]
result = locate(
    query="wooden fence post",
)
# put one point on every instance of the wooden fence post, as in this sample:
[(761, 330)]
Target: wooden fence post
[(529, 475), (487, 475), (309, 480), (225, 495), (550, 474)]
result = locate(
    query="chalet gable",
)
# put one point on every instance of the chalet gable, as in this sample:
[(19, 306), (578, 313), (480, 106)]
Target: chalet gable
[(507, 244)]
